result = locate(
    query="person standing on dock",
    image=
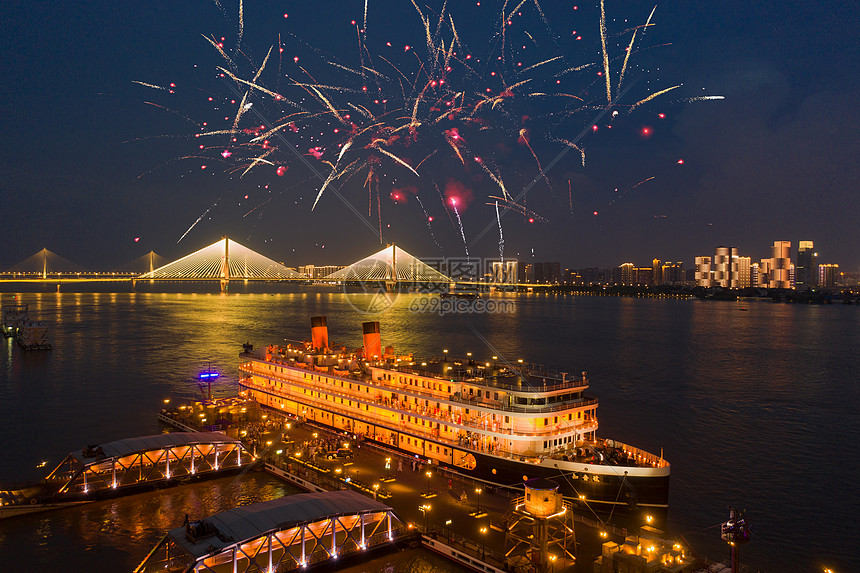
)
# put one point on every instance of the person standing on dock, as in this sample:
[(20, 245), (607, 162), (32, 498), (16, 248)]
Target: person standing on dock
[(399, 465)]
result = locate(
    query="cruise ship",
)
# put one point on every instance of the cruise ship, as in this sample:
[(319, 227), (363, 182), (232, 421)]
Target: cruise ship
[(490, 420)]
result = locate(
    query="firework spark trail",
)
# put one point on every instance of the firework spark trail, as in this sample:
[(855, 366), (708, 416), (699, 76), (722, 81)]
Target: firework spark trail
[(572, 146), (379, 210), (501, 236), (702, 98), (570, 196), (462, 231), (331, 176), (605, 53), (427, 220), (153, 86), (218, 47), (521, 209), (258, 160), (221, 8), (630, 47), (281, 192), (398, 160), (652, 96), (174, 112), (444, 204), (616, 199), (533, 66), (200, 218), (241, 23), (524, 136), (643, 181)]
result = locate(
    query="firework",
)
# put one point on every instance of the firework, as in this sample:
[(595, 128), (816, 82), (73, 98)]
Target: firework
[(435, 108)]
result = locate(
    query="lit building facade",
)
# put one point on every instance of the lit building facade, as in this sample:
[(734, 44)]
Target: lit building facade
[(627, 274), (806, 269), (505, 272), (744, 272), (780, 265), (704, 272), (672, 273), (725, 267), (828, 275)]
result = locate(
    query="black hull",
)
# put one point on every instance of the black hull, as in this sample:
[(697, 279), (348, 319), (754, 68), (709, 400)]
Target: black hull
[(609, 491)]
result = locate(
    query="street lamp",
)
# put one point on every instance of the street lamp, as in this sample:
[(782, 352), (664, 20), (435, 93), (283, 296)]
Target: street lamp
[(426, 509), (483, 541), (375, 490), (479, 490), (429, 475)]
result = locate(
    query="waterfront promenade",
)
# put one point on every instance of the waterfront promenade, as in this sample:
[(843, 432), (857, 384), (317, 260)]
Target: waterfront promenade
[(466, 515)]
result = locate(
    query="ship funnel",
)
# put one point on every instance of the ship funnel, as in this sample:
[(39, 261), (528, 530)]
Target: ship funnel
[(319, 333), (372, 340)]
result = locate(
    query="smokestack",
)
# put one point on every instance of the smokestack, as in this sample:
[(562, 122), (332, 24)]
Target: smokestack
[(319, 333), (372, 340)]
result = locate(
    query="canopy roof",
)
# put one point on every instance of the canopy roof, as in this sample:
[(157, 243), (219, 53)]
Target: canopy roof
[(248, 522), (124, 447)]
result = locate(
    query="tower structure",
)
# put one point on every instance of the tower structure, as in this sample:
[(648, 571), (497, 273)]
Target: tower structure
[(806, 269), (736, 532), (725, 267), (540, 530), (780, 265), (704, 273)]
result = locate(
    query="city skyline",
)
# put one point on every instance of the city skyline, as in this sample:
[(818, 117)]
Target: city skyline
[(90, 167), (314, 269)]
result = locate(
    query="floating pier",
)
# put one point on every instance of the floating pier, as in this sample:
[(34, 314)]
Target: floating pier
[(282, 534), (126, 466)]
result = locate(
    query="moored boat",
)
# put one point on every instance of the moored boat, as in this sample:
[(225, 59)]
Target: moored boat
[(490, 420)]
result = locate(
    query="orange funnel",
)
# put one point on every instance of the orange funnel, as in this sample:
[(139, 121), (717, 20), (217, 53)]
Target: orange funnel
[(372, 340), (319, 333)]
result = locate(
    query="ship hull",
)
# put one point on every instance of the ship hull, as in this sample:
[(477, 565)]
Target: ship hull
[(603, 488)]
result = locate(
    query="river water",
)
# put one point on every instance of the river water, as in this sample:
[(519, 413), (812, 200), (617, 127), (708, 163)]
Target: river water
[(754, 403)]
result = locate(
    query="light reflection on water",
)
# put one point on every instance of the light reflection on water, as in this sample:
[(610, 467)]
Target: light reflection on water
[(755, 409), (116, 534)]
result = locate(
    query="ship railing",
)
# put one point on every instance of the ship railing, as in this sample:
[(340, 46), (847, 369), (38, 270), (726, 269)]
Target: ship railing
[(443, 417), (641, 456), (525, 379), (401, 388)]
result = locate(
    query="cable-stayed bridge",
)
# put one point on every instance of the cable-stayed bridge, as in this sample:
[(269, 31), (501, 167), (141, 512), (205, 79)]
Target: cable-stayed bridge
[(227, 260), (390, 265), (223, 260)]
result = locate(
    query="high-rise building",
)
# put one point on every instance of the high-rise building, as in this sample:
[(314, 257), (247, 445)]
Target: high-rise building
[(763, 273), (672, 273), (780, 265), (504, 271), (307, 271), (704, 273), (627, 274), (657, 272), (806, 269), (543, 273), (325, 270), (744, 272), (828, 275), (725, 267)]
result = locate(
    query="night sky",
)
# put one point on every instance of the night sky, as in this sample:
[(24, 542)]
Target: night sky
[(93, 172)]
